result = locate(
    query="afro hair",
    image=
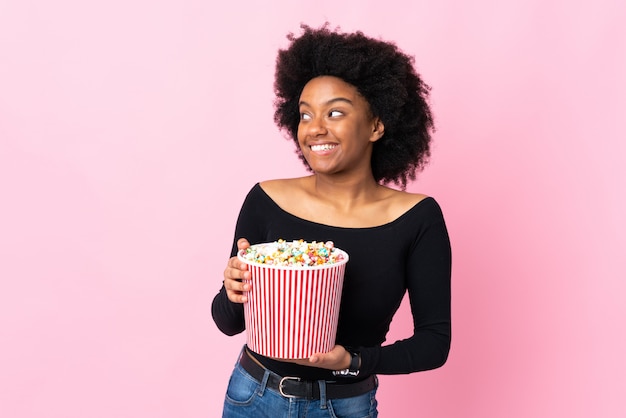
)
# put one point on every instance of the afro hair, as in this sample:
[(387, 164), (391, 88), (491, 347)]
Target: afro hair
[(383, 74)]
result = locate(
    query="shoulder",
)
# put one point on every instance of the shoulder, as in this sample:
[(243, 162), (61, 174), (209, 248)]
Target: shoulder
[(406, 198), (276, 184), (417, 208), (281, 183), (400, 202), (281, 189)]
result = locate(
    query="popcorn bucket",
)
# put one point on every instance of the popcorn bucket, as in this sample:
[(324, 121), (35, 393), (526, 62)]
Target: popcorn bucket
[(292, 311)]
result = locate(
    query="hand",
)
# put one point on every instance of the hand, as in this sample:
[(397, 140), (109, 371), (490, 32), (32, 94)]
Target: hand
[(336, 359), (234, 273)]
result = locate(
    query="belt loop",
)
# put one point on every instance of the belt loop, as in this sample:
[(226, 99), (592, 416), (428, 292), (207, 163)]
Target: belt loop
[(322, 384), (241, 353), (263, 385)]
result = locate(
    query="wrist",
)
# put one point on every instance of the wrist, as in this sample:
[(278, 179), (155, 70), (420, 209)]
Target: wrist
[(354, 364), (347, 360)]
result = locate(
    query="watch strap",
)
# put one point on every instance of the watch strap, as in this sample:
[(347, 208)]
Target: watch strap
[(353, 368)]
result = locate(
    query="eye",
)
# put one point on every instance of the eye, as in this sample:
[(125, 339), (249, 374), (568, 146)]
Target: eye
[(335, 113), (304, 116)]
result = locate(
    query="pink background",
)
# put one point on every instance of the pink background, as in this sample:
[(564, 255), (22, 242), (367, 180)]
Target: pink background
[(131, 130)]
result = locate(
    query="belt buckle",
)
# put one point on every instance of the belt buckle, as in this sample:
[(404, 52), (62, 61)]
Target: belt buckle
[(282, 381)]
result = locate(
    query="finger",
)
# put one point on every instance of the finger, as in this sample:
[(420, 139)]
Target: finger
[(234, 273), (321, 358), (237, 297), (236, 280), (236, 290), (234, 262), (236, 269), (242, 243)]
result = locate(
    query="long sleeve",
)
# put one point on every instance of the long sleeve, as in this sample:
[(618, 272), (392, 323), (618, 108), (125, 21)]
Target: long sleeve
[(428, 282), (228, 316)]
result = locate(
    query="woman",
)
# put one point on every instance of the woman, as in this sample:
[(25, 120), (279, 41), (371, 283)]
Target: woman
[(358, 113)]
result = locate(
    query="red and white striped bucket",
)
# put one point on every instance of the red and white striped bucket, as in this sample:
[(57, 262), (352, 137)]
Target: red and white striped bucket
[(292, 311)]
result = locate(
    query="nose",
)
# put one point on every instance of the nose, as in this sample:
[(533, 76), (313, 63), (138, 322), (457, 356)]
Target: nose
[(315, 126)]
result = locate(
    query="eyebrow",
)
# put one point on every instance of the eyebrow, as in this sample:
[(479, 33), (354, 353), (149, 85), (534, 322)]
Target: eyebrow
[(329, 102)]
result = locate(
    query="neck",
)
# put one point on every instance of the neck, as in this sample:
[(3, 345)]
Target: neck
[(344, 191)]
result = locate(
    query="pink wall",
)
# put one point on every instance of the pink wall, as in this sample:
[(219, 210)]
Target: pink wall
[(131, 130)]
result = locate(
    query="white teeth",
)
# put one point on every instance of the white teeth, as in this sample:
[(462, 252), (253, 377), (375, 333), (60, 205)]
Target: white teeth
[(323, 147)]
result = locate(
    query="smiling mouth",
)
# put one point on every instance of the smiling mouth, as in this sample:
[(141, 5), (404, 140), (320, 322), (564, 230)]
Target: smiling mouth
[(322, 147)]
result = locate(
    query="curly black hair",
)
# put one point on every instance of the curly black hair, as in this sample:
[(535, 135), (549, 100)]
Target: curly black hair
[(383, 74)]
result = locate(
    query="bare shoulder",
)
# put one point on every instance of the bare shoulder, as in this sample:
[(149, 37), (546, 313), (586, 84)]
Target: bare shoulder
[(285, 192), (399, 197), (399, 202)]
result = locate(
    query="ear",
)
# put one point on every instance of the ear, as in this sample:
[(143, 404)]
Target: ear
[(378, 129)]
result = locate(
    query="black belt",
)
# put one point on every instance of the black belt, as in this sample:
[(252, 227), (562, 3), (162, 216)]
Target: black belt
[(294, 387)]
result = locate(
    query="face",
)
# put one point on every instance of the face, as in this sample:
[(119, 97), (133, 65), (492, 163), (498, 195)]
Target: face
[(337, 129)]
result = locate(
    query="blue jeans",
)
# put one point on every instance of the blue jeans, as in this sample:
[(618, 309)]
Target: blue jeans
[(248, 398)]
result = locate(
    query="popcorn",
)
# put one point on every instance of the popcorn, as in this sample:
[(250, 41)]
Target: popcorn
[(293, 301), (294, 253)]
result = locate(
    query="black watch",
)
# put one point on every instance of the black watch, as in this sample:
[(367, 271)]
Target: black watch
[(353, 369)]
